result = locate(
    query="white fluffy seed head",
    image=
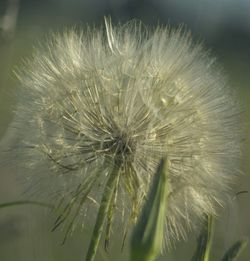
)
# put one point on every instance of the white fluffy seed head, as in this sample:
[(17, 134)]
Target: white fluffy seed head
[(134, 95)]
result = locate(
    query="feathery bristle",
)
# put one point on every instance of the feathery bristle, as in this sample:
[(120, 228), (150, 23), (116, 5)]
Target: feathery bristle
[(124, 93)]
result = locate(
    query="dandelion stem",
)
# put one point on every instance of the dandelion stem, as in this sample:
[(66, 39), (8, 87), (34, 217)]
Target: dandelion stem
[(103, 210)]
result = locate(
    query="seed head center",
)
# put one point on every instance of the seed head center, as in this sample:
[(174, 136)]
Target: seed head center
[(120, 145)]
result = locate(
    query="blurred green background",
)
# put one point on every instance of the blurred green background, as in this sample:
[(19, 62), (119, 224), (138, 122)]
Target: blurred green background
[(223, 26)]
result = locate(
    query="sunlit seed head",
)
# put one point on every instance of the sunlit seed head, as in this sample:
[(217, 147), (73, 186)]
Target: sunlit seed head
[(127, 94)]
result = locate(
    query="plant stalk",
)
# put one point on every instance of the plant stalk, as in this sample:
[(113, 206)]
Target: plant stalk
[(103, 211)]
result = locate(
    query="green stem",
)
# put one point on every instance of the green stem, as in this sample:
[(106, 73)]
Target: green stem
[(102, 213)]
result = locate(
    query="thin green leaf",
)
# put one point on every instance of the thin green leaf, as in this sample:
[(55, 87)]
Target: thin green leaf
[(148, 234), (25, 202), (234, 251), (204, 241)]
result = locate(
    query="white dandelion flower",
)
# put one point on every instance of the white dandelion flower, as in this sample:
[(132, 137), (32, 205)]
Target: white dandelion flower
[(101, 108)]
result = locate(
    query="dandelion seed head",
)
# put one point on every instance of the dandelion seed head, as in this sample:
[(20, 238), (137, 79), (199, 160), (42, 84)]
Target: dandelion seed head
[(130, 95)]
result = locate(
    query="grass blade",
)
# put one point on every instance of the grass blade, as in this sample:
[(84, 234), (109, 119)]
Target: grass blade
[(25, 202), (204, 241), (148, 234), (234, 251)]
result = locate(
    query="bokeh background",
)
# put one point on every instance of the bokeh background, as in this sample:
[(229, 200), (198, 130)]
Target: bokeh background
[(222, 25)]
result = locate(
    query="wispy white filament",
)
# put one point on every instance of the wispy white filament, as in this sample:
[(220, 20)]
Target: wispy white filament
[(124, 93)]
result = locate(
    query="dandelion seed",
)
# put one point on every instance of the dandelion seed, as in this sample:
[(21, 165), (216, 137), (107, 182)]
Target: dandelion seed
[(112, 103)]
